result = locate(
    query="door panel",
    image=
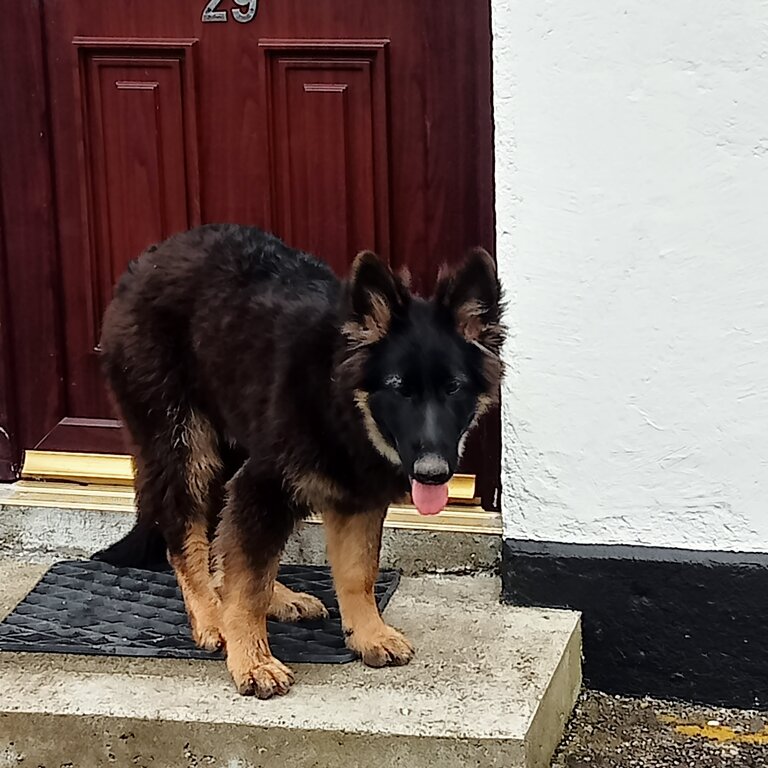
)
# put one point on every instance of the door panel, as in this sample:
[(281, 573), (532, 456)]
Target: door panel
[(125, 180), (138, 184), (134, 116), (338, 125), (328, 142)]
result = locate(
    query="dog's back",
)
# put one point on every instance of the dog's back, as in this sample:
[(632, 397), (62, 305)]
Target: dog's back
[(207, 309)]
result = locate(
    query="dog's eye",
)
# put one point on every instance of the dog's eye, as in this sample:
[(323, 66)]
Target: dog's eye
[(453, 386)]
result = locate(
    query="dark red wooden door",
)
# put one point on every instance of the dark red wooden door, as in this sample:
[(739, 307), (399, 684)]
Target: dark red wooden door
[(338, 125)]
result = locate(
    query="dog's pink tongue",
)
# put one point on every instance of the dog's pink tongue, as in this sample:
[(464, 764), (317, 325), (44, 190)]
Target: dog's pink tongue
[(429, 499)]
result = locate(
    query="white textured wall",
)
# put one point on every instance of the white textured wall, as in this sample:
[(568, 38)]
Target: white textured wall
[(632, 217)]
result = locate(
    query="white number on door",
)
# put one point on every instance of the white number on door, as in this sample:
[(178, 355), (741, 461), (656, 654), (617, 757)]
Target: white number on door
[(211, 14), (245, 16), (249, 8)]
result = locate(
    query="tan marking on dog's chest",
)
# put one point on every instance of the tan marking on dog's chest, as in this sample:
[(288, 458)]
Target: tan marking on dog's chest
[(316, 490)]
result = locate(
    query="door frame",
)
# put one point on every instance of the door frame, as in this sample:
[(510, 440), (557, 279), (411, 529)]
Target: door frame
[(31, 352)]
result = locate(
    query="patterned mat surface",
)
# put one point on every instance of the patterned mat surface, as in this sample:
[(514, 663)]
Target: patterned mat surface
[(92, 608)]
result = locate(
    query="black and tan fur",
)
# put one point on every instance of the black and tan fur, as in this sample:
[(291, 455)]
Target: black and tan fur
[(257, 388)]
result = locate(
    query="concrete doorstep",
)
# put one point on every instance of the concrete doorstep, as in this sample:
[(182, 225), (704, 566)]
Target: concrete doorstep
[(490, 686)]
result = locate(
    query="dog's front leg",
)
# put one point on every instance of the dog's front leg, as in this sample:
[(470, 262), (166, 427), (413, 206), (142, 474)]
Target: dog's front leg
[(255, 524), (354, 543)]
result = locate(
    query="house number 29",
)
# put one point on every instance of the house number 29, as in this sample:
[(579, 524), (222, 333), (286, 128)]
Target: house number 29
[(249, 8)]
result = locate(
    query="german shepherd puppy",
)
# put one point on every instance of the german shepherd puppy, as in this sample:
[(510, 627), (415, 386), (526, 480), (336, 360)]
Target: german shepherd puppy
[(258, 388)]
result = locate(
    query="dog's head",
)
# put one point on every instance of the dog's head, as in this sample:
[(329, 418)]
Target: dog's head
[(427, 369)]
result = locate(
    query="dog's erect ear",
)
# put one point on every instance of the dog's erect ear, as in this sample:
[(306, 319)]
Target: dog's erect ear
[(374, 297), (471, 293)]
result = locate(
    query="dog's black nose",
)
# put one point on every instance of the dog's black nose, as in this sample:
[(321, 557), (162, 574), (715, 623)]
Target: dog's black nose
[(431, 469)]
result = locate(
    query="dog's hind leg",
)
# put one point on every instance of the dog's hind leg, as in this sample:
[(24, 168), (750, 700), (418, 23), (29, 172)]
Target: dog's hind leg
[(354, 544), (189, 548), (256, 522), (177, 479)]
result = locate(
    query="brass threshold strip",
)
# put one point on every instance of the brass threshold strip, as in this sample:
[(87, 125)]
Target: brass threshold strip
[(105, 482), (107, 468), (118, 469)]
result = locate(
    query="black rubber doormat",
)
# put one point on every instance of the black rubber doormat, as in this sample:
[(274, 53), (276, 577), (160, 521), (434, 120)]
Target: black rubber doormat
[(91, 608)]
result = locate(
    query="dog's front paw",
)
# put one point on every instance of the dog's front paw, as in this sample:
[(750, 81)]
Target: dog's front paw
[(263, 679), (382, 646)]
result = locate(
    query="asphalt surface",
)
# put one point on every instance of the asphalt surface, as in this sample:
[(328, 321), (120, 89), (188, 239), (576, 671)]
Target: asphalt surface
[(612, 732)]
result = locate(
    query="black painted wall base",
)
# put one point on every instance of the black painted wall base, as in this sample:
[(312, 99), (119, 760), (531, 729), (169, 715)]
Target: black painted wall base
[(661, 622)]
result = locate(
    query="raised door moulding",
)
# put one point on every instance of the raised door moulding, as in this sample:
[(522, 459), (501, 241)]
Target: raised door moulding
[(161, 71), (328, 125)]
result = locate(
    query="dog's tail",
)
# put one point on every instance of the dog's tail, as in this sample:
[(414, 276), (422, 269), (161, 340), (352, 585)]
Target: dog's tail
[(142, 547)]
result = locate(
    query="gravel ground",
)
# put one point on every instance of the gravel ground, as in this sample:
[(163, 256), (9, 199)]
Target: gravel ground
[(612, 732)]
